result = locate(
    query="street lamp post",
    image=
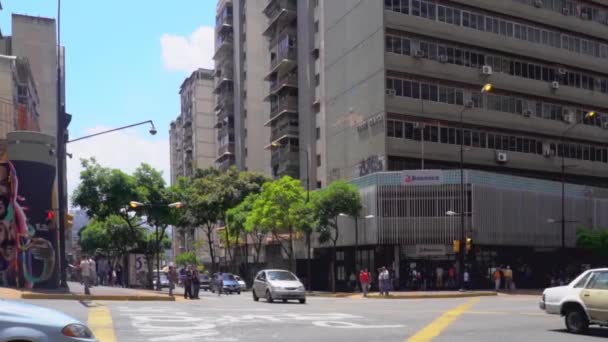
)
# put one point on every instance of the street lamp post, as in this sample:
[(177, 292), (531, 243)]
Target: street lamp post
[(157, 239), (308, 233), (485, 89), (563, 221)]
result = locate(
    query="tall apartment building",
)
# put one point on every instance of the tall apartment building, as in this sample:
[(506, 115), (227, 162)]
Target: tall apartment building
[(240, 68), (192, 134)]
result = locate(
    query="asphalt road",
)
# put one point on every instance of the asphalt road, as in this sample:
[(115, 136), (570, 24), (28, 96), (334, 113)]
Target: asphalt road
[(239, 318)]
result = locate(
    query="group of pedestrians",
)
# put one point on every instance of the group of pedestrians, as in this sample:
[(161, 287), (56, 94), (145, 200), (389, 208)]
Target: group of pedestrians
[(503, 277), (98, 273), (190, 279), (384, 281)]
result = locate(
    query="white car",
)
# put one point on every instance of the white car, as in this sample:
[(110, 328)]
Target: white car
[(30, 323), (582, 302), (278, 284)]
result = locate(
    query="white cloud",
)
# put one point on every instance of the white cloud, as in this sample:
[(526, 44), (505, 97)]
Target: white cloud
[(181, 53), (124, 150)]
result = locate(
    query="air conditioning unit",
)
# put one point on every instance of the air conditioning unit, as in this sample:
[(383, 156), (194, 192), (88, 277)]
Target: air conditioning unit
[(565, 11), (554, 85), (501, 157), (486, 70), (538, 3), (568, 116), (561, 71), (418, 53), (527, 113), (443, 58), (391, 92)]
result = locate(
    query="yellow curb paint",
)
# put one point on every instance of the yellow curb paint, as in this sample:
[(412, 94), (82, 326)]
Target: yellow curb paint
[(433, 330), (100, 323)]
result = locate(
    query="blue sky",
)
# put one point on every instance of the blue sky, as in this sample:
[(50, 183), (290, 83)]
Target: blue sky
[(125, 61)]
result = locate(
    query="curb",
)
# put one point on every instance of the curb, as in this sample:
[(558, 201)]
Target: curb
[(438, 296), (143, 298)]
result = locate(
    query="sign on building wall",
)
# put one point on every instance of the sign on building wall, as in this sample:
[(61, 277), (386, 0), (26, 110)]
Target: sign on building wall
[(422, 177)]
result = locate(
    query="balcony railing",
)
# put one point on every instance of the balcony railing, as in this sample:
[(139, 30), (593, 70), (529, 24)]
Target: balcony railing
[(289, 55), (283, 130), (287, 80), (223, 21), (282, 155), (284, 104), (225, 99), (225, 149)]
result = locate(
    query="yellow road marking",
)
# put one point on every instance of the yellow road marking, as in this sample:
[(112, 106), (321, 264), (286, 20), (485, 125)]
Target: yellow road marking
[(100, 322), (433, 330)]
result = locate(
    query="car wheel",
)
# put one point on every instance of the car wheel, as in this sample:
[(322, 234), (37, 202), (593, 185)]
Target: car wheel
[(255, 298), (269, 298), (238, 292), (284, 300), (576, 321), (303, 301)]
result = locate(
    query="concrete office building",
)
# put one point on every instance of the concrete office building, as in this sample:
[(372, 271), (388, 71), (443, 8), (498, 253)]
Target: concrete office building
[(240, 68), (192, 134)]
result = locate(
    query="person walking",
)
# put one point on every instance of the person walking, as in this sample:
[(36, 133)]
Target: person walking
[(466, 280), (85, 274), (173, 279), (188, 284), (196, 283), (364, 280), (93, 272), (383, 280), (508, 275), (497, 278), (118, 271), (439, 274)]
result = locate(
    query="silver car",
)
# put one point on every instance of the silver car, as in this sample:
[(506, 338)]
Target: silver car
[(278, 284), (30, 323)]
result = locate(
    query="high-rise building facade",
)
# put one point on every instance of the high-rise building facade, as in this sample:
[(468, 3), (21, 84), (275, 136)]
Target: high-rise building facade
[(192, 134), (399, 75), (240, 68)]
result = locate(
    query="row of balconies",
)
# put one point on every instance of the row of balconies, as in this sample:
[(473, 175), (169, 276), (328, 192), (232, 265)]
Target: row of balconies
[(289, 80), (287, 104)]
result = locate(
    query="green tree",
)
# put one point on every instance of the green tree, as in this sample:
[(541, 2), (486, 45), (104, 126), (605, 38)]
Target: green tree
[(338, 198), (279, 210), (187, 258), (594, 240)]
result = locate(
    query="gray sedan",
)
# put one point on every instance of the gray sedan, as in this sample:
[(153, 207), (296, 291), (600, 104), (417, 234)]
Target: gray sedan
[(278, 284), (30, 323)]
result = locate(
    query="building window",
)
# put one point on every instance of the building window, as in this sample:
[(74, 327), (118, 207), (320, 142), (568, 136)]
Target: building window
[(502, 26), (317, 79), (319, 184), (340, 255), (318, 133), (318, 160), (316, 27)]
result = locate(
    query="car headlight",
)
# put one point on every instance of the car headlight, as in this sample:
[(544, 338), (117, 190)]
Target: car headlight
[(301, 288), (77, 330)]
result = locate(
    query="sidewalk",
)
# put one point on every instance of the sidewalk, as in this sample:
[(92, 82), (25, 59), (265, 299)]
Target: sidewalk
[(407, 294), (75, 291)]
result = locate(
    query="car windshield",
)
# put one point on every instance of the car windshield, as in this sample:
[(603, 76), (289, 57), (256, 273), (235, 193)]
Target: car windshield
[(281, 275), (228, 277)]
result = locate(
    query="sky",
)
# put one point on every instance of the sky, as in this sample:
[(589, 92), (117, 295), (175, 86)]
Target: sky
[(125, 61)]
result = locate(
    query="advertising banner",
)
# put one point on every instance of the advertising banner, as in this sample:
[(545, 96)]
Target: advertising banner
[(422, 177)]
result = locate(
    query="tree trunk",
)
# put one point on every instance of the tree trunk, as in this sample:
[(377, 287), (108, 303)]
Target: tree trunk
[(333, 268), (228, 250), (292, 266), (209, 233), (150, 262)]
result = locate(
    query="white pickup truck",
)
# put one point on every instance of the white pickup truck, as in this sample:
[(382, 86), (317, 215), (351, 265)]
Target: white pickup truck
[(583, 302)]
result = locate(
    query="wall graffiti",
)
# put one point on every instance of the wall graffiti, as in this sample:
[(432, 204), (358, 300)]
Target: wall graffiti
[(27, 240)]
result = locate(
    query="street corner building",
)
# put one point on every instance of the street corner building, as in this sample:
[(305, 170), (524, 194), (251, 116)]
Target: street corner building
[(414, 221), (28, 234)]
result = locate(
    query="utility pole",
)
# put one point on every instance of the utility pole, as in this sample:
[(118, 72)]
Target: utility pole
[(61, 140)]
